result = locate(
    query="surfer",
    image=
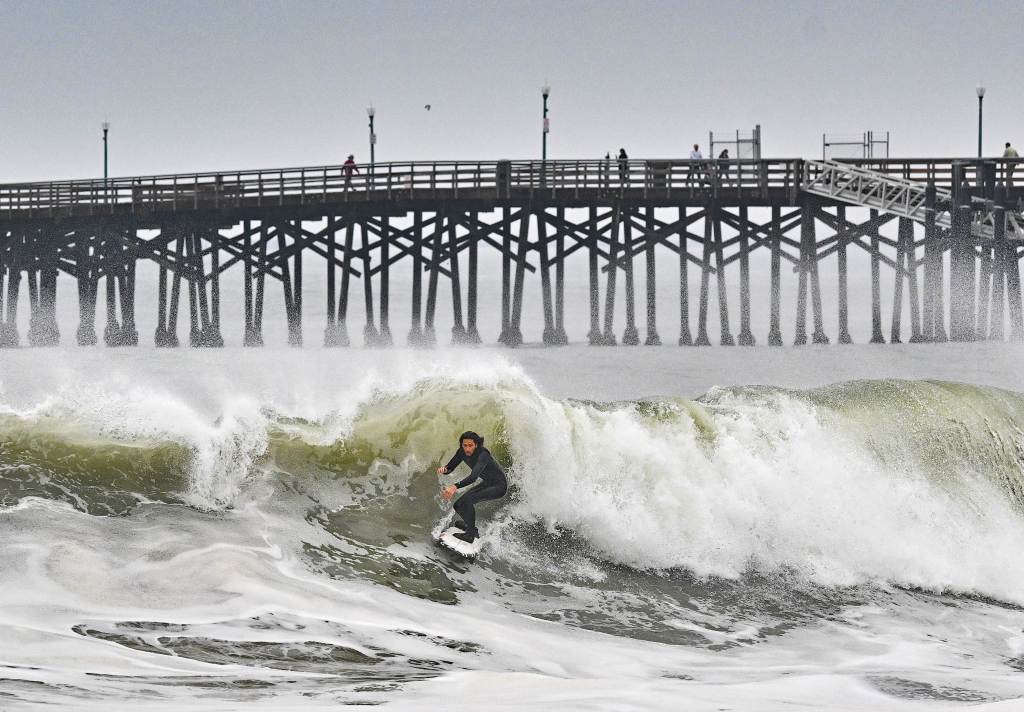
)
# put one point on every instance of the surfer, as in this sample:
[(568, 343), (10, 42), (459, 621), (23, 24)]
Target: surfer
[(485, 468)]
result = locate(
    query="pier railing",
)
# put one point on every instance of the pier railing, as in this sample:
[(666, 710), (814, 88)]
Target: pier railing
[(451, 179)]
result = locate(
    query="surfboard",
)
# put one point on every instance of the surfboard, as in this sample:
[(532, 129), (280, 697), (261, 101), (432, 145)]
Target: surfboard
[(445, 533), (462, 548)]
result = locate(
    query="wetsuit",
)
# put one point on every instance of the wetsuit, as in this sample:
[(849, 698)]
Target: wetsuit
[(493, 484)]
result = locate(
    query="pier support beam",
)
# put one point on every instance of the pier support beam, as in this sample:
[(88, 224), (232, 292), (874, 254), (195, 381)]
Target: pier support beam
[(166, 326), (332, 337), (819, 336), (808, 269), (123, 332), (649, 256), (1006, 276), (609, 338), (774, 327), (962, 277), (609, 295), (436, 255), (384, 337), (506, 276), (250, 334), (746, 337), (985, 269), (370, 333), (806, 226), (723, 295), (1012, 267), (908, 266), (42, 289), (594, 336), (10, 283), (472, 333), (934, 275), (515, 333), (112, 331), (560, 337), (204, 326), (631, 337), (258, 265), (458, 325), (9, 324), (685, 338), (548, 335), (212, 336), (897, 290), (88, 285), (416, 329), (339, 335), (43, 330), (876, 288), (844, 309), (705, 277), (998, 310), (119, 277)]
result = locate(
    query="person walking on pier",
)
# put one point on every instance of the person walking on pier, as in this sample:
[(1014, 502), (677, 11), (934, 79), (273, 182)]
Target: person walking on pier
[(1010, 152), (349, 167), (696, 159), (623, 167)]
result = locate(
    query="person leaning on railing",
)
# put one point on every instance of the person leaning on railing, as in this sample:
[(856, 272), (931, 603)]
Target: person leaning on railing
[(723, 166), (1010, 152)]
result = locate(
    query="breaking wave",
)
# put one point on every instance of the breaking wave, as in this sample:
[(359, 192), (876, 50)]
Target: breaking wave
[(910, 483)]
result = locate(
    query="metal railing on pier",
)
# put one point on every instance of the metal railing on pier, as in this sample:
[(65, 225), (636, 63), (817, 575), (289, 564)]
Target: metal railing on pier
[(501, 180)]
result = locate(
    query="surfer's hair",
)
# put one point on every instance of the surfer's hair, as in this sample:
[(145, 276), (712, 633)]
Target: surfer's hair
[(470, 435)]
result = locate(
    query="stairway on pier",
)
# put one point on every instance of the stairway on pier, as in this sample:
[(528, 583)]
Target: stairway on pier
[(897, 196)]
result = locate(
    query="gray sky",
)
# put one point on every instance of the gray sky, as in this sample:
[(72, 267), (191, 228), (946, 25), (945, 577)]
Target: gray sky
[(191, 86)]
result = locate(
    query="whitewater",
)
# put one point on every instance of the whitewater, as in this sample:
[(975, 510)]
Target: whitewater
[(701, 529)]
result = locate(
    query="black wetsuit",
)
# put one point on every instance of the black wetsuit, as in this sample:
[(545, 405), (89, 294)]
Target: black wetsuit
[(493, 484)]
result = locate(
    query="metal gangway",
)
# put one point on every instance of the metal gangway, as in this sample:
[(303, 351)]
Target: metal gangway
[(901, 197)]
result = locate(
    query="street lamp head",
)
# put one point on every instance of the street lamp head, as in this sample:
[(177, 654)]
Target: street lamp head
[(545, 90), (981, 91), (370, 111)]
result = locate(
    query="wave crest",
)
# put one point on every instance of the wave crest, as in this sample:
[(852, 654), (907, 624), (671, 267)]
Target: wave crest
[(914, 483)]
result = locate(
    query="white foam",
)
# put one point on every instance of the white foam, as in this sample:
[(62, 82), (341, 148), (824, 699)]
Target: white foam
[(773, 488)]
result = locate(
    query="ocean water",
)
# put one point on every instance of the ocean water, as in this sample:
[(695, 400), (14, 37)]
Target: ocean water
[(837, 528), (688, 528)]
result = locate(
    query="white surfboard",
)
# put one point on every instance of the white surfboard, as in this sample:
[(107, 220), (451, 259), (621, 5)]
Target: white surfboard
[(463, 548), (444, 534)]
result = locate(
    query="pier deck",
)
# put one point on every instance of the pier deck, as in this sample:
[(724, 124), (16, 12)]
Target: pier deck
[(434, 215)]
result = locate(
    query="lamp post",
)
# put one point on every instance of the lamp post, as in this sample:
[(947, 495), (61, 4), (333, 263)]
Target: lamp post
[(370, 111), (106, 128), (981, 97), (545, 91)]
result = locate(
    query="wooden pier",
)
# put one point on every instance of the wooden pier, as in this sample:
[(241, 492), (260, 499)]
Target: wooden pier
[(434, 218)]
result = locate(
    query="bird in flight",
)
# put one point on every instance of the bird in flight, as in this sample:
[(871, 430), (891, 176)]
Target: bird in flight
[(427, 107)]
